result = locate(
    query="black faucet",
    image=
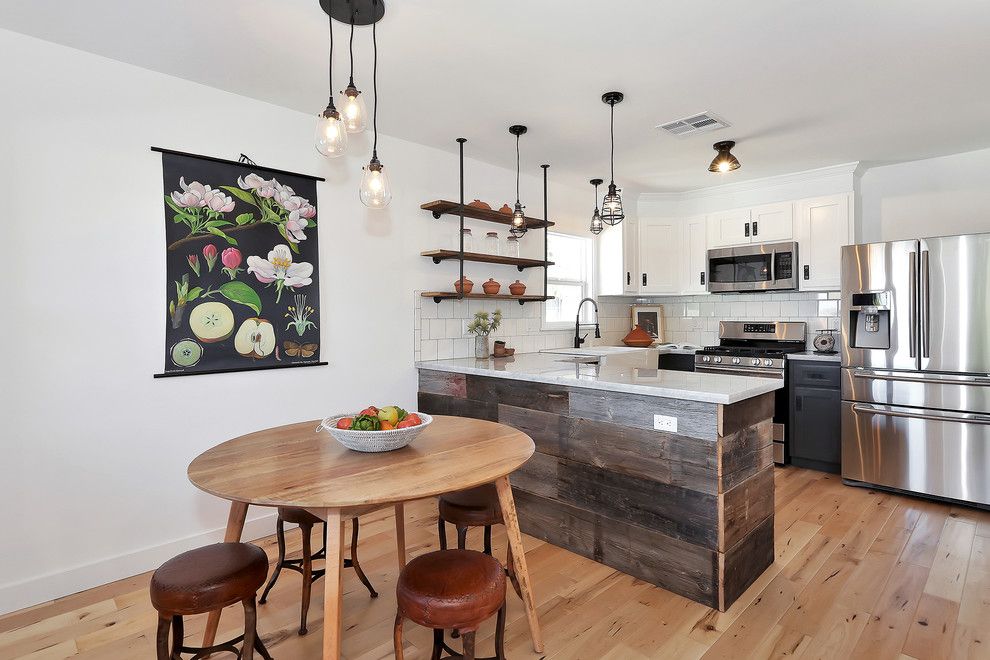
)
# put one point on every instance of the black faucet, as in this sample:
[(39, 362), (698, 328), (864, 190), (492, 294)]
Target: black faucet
[(578, 339)]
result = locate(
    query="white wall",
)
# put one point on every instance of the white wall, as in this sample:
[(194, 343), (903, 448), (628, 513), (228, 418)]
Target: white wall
[(932, 197), (94, 451)]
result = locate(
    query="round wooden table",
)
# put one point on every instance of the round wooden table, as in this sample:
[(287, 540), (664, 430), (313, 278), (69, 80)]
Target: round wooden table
[(294, 465)]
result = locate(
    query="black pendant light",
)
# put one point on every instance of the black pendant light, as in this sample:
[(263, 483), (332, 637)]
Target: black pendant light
[(597, 226), (518, 226), (612, 204), (724, 161), (376, 192)]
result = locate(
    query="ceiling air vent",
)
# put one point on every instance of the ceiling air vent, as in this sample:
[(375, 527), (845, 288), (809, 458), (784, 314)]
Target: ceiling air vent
[(702, 122)]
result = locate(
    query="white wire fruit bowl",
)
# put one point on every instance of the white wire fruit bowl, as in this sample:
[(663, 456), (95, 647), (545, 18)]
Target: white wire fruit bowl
[(373, 441)]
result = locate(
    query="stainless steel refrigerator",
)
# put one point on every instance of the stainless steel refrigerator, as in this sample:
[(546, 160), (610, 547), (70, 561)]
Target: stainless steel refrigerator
[(916, 366)]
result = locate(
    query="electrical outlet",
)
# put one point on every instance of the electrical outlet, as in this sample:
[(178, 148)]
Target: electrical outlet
[(665, 423)]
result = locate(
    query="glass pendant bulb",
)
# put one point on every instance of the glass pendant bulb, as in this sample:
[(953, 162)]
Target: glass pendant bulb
[(376, 193), (331, 135), (353, 112)]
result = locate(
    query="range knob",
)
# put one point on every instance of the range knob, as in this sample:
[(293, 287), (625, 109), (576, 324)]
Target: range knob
[(705, 358), (735, 360), (756, 362), (717, 359), (768, 362)]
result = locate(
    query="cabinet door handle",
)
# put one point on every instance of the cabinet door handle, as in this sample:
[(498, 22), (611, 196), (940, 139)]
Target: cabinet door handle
[(702, 277), (807, 272), (644, 279), (628, 278), (797, 404), (747, 230), (754, 228)]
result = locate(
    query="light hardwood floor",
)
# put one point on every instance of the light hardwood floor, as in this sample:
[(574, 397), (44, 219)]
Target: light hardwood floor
[(859, 574)]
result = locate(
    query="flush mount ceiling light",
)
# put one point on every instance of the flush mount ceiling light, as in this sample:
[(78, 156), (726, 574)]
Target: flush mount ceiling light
[(376, 193), (724, 161), (518, 226), (612, 204), (597, 226)]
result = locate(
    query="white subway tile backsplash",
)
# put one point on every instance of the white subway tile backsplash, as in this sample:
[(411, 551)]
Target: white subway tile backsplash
[(437, 328), (828, 307), (445, 349)]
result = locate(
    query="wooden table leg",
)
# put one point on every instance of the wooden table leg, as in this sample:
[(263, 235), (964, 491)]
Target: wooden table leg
[(400, 533), (235, 526), (519, 559), (332, 591)]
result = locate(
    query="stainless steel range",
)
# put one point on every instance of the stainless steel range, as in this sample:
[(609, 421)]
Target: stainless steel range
[(748, 348)]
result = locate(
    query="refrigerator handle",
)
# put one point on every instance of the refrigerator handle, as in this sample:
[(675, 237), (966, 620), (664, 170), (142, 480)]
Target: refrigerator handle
[(913, 307), (925, 308), (968, 419)]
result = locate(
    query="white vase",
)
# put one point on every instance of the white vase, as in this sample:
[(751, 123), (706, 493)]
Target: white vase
[(482, 347)]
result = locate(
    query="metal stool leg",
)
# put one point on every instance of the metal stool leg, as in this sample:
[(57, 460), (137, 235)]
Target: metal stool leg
[(250, 630), (307, 574), (354, 559), (280, 537)]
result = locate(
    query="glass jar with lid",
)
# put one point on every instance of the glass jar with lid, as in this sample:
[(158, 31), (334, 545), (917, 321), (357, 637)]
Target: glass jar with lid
[(491, 243), (512, 247)]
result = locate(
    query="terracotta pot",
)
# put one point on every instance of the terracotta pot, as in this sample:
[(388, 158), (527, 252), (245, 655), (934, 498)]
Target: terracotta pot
[(478, 204), (468, 286), (638, 338), (491, 287), (505, 209), (517, 288)]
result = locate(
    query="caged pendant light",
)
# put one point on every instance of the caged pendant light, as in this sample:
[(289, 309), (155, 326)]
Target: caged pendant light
[(597, 226), (612, 204), (518, 226), (331, 134), (375, 192)]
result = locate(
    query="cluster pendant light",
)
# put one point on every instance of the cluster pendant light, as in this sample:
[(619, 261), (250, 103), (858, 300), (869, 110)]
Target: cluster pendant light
[(597, 226), (611, 212), (724, 161), (518, 226), (333, 125)]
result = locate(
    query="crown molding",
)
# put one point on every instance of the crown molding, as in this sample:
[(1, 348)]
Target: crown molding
[(851, 170)]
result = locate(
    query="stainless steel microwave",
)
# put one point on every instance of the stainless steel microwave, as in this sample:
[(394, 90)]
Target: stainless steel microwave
[(757, 267)]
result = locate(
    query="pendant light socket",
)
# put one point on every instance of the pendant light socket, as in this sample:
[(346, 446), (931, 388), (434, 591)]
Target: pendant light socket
[(724, 161)]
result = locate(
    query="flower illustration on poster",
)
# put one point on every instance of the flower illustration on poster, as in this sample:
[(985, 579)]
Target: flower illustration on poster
[(237, 238)]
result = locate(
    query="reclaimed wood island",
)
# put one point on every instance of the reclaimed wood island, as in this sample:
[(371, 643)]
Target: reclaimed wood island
[(688, 508)]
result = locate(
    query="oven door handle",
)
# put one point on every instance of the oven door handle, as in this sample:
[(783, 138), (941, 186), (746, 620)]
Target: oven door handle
[(925, 380), (965, 418)]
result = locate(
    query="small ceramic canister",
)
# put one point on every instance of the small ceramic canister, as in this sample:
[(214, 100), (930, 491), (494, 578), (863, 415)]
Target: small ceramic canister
[(517, 288), (467, 284), (491, 287)]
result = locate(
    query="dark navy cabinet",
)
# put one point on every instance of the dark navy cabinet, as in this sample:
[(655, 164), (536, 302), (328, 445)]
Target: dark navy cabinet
[(815, 405)]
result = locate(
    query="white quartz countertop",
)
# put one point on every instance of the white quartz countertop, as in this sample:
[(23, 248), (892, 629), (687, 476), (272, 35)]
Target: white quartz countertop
[(628, 371), (818, 357)]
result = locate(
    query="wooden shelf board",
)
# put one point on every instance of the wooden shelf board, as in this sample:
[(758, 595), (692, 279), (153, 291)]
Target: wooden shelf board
[(445, 255), (441, 206), (482, 296)]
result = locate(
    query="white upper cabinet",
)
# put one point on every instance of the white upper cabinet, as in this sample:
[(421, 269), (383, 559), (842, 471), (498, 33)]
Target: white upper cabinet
[(659, 247), (771, 222), (630, 255), (694, 253), (822, 226), (729, 228)]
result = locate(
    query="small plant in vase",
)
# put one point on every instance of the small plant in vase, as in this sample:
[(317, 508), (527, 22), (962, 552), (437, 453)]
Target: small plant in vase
[(482, 326)]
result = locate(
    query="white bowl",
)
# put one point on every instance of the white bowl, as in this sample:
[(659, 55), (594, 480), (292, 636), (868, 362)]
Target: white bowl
[(373, 441)]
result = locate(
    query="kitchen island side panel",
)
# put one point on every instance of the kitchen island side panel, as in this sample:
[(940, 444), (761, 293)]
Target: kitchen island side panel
[(687, 511)]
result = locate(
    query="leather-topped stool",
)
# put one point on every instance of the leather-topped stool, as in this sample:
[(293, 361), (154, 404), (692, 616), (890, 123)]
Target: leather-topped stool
[(452, 590), (304, 564), (206, 579), (474, 507)]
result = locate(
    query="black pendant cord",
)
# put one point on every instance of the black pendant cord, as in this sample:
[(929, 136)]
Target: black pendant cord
[(611, 132), (374, 89), (330, 67), (351, 48)]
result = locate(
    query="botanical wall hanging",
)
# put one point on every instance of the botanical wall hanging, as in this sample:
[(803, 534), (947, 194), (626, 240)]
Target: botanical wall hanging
[(241, 266)]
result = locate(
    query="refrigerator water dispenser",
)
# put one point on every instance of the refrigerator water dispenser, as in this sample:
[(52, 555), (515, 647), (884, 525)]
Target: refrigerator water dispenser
[(869, 318)]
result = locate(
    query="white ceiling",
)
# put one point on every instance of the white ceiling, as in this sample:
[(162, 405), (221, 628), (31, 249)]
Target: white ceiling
[(804, 84)]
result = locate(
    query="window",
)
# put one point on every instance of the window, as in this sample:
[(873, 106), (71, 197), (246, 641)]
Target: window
[(568, 280)]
